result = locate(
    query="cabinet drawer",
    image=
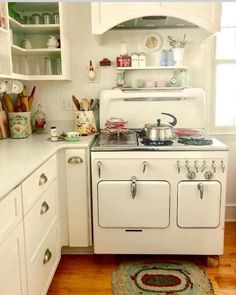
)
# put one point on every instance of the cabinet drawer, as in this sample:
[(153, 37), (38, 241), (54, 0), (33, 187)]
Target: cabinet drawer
[(37, 183), (45, 265), (10, 212), (38, 221)]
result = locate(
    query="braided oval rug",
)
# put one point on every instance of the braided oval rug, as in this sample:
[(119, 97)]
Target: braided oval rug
[(160, 278)]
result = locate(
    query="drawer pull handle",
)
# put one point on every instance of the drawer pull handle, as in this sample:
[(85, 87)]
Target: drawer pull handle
[(42, 179), (75, 160), (133, 187), (145, 164), (44, 208), (47, 256)]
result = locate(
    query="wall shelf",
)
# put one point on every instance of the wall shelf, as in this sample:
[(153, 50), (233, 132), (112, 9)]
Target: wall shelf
[(152, 68)]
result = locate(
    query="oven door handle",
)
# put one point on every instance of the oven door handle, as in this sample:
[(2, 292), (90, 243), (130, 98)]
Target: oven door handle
[(201, 189), (133, 187)]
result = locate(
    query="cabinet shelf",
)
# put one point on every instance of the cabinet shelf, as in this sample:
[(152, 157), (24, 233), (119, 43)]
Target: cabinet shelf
[(38, 77), (153, 68), (34, 29), (16, 50)]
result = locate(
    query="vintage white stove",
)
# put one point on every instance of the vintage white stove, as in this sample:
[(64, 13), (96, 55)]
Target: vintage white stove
[(157, 199)]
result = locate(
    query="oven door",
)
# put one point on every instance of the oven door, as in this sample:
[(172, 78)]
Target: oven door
[(133, 204), (199, 204)]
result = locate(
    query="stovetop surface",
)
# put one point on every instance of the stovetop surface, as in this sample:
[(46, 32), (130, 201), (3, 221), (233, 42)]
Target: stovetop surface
[(133, 140)]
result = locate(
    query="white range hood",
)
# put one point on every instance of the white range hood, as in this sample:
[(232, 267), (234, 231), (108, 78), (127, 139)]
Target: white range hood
[(108, 16)]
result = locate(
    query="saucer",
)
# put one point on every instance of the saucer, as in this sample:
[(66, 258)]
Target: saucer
[(72, 139)]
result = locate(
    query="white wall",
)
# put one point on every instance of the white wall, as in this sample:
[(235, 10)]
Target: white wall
[(84, 47)]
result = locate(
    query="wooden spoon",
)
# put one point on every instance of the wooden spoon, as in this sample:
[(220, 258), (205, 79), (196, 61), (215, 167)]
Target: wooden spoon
[(85, 103), (76, 102)]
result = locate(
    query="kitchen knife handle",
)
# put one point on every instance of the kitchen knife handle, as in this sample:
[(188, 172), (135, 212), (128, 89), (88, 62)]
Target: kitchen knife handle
[(133, 187), (42, 179), (201, 189), (75, 160)]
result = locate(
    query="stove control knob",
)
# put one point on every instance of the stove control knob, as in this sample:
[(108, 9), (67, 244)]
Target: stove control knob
[(213, 165), (196, 166), (145, 164), (191, 175), (208, 175), (178, 166), (188, 166), (222, 165), (203, 166)]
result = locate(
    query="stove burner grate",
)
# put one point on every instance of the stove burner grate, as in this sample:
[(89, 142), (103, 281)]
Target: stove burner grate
[(149, 142), (195, 141)]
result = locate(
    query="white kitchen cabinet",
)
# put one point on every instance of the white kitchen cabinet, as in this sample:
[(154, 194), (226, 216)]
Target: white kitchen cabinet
[(41, 223), (12, 251), (119, 207), (199, 204), (30, 64), (205, 15), (78, 197), (12, 266)]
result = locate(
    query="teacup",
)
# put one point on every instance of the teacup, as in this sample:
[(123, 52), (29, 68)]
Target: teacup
[(73, 134)]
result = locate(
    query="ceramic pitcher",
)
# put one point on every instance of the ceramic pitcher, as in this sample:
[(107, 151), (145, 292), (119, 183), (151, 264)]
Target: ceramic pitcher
[(85, 122)]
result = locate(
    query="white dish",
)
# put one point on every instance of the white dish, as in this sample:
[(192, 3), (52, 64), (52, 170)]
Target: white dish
[(17, 87), (9, 86)]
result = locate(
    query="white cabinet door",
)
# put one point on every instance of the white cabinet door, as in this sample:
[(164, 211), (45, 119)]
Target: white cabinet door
[(199, 204), (12, 266), (149, 208), (77, 178)]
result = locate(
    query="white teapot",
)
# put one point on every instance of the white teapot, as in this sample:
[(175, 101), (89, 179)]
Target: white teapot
[(52, 42)]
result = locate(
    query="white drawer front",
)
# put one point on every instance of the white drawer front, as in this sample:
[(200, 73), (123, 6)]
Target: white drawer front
[(47, 260), (150, 208), (10, 212), (35, 184), (199, 204), (38, 221)]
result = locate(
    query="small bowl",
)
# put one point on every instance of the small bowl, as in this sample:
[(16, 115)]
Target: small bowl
[(73, 134)]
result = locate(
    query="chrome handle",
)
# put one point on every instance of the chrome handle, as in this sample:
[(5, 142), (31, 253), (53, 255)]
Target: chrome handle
[(42, 179), (75, 160), (201, 189), (178, 166), (47, 256), (99, 165), (133, 187), (145, 164), (222, 166), (44, 208), (214, 166)]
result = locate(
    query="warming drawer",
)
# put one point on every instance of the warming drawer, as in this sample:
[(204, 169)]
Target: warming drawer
[(199, 204), (133, 204)]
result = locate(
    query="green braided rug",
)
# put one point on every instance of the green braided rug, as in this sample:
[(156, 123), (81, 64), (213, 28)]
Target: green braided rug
[(161, 278)]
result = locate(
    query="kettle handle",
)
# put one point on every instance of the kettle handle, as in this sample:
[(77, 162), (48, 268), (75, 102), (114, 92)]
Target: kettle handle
[(174, 119)]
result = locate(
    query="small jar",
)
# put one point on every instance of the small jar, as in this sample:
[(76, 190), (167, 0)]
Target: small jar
[(55, 16), (134, 60), (142, 59), (46, 18), (53, 133)]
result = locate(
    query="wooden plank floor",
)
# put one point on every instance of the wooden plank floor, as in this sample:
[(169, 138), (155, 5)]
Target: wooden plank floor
[(91, 274)]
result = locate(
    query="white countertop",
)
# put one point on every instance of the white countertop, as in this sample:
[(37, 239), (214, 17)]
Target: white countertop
[(20, 157)]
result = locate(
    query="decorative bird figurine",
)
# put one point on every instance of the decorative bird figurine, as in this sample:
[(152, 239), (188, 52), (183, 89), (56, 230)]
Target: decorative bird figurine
[(91, 72)]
